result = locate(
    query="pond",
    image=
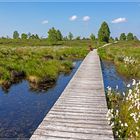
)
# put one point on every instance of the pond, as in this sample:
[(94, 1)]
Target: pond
[(112, 78), (22, 110)]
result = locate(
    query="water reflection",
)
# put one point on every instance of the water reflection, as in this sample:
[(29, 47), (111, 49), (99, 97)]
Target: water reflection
[(22, 109), (112, 78)]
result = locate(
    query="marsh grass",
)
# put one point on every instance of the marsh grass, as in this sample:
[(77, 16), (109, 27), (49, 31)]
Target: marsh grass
[(126, 57), (124, 112), (39, 64)]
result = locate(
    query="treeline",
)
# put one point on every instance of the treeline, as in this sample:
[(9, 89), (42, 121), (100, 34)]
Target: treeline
[(104, 35), (128, 37), (16, 35), (55, 37)]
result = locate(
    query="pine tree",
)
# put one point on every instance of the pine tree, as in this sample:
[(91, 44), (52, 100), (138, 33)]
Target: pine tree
[(104, 33)]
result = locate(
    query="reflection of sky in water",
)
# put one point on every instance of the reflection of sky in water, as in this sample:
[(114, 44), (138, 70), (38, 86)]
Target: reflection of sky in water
[(22, 110), (112, 78)]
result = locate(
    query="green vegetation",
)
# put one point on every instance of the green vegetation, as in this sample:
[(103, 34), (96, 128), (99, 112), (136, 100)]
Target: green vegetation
[(92, 37), (104, 33), (70, 36), (39, 65), (122, 37), (54, 36), (40, 60), (23, 42), (24, 36), (125, 55), (15, 35), (130, 37), (124, 112)]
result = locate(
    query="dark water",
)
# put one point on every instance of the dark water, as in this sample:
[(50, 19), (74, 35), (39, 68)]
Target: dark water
[(112, 78), (22, 110)]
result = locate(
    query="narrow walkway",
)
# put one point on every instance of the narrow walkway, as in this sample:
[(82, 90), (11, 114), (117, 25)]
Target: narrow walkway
[(80, 112)]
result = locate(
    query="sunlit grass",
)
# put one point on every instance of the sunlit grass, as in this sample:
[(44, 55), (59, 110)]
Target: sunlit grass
[(124, 112), (38, 63), (119, 53)]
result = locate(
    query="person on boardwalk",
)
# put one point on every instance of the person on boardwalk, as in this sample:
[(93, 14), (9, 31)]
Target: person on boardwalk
[(90, 48)]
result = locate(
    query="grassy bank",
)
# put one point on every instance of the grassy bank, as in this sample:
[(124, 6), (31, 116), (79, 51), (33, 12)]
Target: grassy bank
[(125, 55), (124, 110), (37, 61), (39, 65)]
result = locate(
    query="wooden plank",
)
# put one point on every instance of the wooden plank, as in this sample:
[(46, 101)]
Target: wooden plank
[(80, 111), (67, 135)]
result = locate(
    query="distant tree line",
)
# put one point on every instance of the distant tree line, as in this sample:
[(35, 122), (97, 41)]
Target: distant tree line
[(16, 35), (128, 37), (55, 35)]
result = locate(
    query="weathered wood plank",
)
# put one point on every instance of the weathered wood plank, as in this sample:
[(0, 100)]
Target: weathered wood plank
[(77, 125), (67, 135), (80, 111), (75, 129)]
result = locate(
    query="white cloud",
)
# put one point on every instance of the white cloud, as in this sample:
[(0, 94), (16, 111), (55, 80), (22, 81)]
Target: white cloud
[(86, 18), (45, 22), (72, 18), (119, 20)]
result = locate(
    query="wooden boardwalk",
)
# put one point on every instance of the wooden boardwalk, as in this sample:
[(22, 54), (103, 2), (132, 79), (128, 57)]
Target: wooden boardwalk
[(80, 111)]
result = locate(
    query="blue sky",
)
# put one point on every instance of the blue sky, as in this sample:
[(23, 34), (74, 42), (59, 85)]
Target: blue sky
[(80, 18)]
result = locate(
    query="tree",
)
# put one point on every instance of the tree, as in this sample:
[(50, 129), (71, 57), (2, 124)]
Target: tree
[(78, 38), (52, 36), (83, 38), (122, 37), (116, 39), (130, 37), (65, 38), (36, 36), (135, 38), (29, 34), (15, 35), (92, 37), (24, 36), (70, 36), (111, 39), (104, 33), (32, 36), (59, 35)]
